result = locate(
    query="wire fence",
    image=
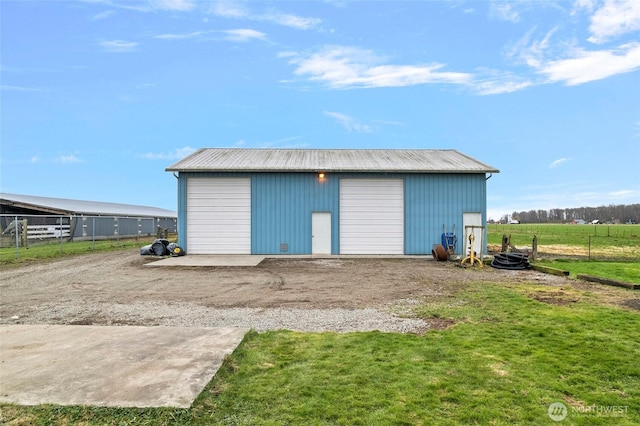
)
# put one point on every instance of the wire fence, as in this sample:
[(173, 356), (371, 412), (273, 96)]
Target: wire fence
[(24, 231), (601, 244)]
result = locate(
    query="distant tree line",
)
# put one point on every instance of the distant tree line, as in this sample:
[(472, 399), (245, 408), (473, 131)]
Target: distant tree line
[(604, 214)]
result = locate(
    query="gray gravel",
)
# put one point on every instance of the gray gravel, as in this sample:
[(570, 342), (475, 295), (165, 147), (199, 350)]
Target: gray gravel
[(182, 314)]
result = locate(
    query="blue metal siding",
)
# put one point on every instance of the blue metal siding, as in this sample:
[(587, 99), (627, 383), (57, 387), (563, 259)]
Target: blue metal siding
[(282, 204), (433, 200)]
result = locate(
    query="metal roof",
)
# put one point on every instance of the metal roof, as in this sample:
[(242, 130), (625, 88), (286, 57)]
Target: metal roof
[(330, 160), (67, 206)]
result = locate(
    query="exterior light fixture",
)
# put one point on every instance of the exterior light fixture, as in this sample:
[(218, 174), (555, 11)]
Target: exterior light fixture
[(321, 176)]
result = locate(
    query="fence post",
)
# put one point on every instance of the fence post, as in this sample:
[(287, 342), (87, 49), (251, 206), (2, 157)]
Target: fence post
[(505, 243), (93, 233), (16, 225), (60, 236), (589, 247), (25, 233)]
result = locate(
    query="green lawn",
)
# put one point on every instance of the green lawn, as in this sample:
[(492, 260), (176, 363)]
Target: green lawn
[(622, 271), (504, 362)]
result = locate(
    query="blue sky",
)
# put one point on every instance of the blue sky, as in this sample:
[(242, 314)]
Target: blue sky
[(99, 96)]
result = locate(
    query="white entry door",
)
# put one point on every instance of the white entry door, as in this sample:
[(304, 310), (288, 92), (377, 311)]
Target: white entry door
[(473, 219), (321, 233)]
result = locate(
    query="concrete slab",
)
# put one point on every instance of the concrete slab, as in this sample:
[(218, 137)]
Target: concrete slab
[(110, 366), (254, 260), (209, 260)]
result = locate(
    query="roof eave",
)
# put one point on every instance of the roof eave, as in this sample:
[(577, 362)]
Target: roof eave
[(30, 206), (326, 170)]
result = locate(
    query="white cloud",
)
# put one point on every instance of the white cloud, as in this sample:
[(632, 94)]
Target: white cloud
[(239, 35), (176, 154), (533, 54), (9, 88), (488, 87), (568, 63), (614, 18), (62, 158), (287, 54), (490, 82), (102, 15), (150, 5), (293, 21), (589, 5), (229, 9), (348, 67), (504, 11), (584, 66), (178, 5), (244, 34), (349, 123), (623, 193), (557, 163), (237, 10), (119, 46), (69, 158), (185, 36)]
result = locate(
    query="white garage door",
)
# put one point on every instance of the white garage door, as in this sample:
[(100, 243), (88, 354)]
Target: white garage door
[(371, 216), (219, 216)]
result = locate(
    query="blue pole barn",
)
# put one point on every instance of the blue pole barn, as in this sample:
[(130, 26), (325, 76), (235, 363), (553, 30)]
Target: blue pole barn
[(305, 201)]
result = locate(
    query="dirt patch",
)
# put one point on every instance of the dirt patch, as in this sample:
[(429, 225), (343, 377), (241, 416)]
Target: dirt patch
[(436, 323), (554, 297), (632, 303)]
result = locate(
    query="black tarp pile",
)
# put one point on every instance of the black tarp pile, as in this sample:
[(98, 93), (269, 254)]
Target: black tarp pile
[(162, 247), (514, 261)]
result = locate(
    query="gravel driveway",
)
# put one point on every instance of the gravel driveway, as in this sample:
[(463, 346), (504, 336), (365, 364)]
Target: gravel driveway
[(307, 295)]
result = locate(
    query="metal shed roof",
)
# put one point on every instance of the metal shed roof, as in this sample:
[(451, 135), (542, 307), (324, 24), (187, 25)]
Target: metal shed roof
[(330, 160), (67, 206)]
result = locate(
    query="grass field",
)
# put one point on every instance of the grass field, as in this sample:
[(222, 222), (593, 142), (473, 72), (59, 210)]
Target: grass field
[(508, 357), (594, 242), (54, 249), (571, 233)]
